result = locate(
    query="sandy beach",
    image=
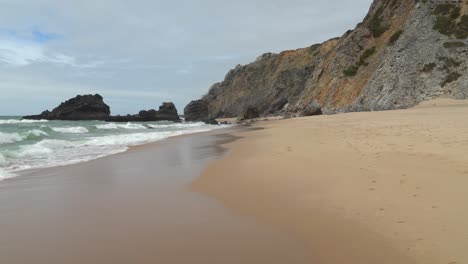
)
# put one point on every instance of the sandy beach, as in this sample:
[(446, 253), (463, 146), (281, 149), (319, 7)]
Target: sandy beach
[(375, 187), (133, 207)]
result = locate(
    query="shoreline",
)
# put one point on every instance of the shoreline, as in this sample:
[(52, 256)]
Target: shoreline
[(134, 207), (370, 187), (22, 172)]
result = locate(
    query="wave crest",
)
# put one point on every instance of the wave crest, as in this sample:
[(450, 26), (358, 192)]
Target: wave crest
[(22, 121), (6, 138), (70, 130), (121, 126)]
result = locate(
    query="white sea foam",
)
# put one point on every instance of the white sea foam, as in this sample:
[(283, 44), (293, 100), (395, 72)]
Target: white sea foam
[(3, 161), (71, 130), (121, 126), (28, 153), (22, 121), (178, 125), (10, 137), (37, 133), (5, 174)]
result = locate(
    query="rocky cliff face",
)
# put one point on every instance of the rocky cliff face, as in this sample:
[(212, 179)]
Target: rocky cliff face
[(404, 52)]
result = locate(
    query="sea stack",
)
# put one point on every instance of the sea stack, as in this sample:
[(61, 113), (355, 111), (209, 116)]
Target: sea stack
[(81, 107)]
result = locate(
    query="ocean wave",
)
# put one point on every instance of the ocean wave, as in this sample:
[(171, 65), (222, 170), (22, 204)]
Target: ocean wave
[(42, 148), (70, 130), (5, 174), (36, 133), (121, 126), (22, 121), (49, 152), (3, 161), (6, 138), (178, 125)]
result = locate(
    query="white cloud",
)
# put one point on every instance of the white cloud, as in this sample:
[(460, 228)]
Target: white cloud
[(149, 50), (21, 53)]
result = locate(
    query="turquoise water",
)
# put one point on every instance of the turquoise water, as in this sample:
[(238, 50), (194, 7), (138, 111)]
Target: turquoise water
[(26, 144)]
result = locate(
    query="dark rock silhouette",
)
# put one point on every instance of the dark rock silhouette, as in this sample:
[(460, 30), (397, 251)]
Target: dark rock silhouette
[(196, 111), (250, 113), (166, 112), (81, 107), (92, 107)]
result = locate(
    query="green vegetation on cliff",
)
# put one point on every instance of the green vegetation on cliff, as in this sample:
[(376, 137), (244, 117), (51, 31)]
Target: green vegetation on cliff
[(449, 22)]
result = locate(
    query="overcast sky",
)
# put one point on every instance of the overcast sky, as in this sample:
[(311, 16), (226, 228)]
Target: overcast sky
[(139, 53)]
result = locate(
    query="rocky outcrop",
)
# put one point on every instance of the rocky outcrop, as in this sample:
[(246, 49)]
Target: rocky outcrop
[(166, 112), (92, 107), (196, 111), (399, 55), (250, 113), (81, 107), (312, 109)]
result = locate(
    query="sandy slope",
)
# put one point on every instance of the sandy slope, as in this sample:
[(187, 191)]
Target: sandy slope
[(379, 187)]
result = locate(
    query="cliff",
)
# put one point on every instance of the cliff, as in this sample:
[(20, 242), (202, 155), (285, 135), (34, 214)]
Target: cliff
[(403, 52)]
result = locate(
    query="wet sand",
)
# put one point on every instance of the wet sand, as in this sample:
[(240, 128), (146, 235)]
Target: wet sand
[(377, 187), (133, 207)]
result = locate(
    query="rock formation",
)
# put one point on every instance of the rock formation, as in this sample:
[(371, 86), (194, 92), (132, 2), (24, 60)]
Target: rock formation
[(404, 52), (81, 107), (92, 107), (166, 112), (196, 111), (250, 113)]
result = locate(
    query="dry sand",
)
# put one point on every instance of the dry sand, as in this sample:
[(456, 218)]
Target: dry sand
[(377, 187)]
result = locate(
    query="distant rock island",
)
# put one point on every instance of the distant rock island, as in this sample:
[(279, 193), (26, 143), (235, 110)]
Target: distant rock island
[(402, 53), (92, 107)]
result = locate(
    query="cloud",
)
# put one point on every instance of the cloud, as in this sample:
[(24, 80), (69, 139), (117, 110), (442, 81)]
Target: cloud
[(149, 50), (18, 51)]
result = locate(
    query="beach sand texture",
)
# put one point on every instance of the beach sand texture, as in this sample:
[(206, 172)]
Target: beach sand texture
[(374, 187), (133, 207)]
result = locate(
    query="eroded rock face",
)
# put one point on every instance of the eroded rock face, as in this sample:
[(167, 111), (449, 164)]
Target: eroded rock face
[(81, 107), (250, 113), (196, 111), (393, 59), (312, 109)]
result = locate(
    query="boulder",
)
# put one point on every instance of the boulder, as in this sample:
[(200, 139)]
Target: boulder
[(81, 107), (250, 113), (167, 111), (196, 111), (211, 121), (312, 109)]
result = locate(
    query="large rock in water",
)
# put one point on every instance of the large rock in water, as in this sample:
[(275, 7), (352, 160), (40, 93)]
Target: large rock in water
[(92, 107), (81, 107), (196, 111), (166, 112)]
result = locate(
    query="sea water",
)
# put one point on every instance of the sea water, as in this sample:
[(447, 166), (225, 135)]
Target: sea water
[(28, 144)]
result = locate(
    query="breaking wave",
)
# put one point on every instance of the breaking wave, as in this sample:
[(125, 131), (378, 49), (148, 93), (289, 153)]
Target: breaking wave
[(70, 130)]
